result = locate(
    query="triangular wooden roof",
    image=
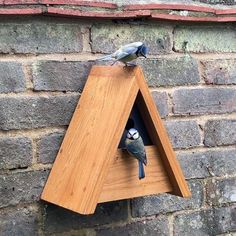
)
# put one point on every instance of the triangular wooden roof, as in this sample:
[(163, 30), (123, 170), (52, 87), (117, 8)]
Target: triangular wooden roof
[(89, 168)]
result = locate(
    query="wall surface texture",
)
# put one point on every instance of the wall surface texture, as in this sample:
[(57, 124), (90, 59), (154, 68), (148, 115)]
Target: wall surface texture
[(191, 71)]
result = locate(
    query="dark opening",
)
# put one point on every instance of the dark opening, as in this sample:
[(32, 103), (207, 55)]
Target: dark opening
[(135, 121)]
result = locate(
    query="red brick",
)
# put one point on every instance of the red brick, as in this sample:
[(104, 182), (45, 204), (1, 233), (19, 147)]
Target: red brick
[(169, 7), (226, 19), (95, 14), (226, 11), (21, 11), (80, 3), (17, 2), (181, 18), (192, 18)]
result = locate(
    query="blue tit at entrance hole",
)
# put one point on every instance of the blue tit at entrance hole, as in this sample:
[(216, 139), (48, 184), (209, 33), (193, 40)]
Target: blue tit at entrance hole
[(127, 53), (135, 147)]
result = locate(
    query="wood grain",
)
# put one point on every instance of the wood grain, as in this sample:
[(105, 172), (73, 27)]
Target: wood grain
[(159, 136), (88, 168), (122, 180), (90, 144)]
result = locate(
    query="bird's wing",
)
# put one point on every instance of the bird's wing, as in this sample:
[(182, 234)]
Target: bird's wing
[(124, 51), (121, 53), (136, 148)]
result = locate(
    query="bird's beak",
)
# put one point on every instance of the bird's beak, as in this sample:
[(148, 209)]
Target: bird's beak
[(144, 56)]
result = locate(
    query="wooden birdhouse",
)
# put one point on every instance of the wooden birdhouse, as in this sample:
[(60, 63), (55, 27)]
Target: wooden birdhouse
[(91, 167)]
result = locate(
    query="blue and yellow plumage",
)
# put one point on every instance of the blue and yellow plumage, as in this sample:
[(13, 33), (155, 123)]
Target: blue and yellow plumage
[(135, 146), (127, 53)]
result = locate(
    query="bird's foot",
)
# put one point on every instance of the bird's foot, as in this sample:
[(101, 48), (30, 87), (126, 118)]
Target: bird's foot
[(130, 64), (113, 63)]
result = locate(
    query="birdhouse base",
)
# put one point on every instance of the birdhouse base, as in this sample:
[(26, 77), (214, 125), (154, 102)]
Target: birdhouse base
[(122, 180)]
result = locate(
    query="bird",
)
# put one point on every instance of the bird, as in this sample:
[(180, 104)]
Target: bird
[(135, 147), (127, 53)]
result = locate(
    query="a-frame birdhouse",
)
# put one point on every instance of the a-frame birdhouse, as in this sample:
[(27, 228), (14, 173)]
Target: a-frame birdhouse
[(90, 168)]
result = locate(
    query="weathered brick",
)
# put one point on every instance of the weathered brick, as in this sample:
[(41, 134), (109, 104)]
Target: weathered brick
[(220, 71), (195, 165), (170, 72), (85, 232), (60, 76), (164, 203), (21, 187), (33, 112), (208, 163), (161, 100), (11, 77), (206, 222), (220, 132), (48, 146), (40, 37), (183, 134), (205, 38), (157, 226), (58, 219), (18, 221), (221, 191), (204, 101), (15, 152), (108, 38), (223, 162)]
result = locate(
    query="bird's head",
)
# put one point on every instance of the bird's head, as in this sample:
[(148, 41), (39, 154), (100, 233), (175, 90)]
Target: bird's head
[(142, 51), (133, 134)]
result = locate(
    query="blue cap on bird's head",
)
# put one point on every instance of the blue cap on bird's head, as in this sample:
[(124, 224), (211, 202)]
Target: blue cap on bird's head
[(143, 50)]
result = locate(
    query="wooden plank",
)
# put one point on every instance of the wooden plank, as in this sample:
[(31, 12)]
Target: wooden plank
[(160, 137), (90, 144), (122, 180)]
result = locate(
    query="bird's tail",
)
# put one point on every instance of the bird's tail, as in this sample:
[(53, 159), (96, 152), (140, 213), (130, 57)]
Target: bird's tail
[(105, 58), (141, 173)]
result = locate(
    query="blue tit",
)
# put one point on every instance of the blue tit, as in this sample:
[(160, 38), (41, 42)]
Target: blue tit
[(135, 147), (127, 53)]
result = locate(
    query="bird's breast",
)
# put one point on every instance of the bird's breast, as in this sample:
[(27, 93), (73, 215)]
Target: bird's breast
[(128, 58)]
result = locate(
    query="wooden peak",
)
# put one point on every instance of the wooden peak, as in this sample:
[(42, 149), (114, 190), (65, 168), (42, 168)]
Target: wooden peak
[(81, 174)]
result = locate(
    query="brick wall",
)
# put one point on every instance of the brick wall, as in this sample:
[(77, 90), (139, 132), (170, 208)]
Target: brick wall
[(191, 71)]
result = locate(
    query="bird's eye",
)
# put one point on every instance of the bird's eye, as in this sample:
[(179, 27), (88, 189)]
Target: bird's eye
[(136, 135), (129, 135)]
